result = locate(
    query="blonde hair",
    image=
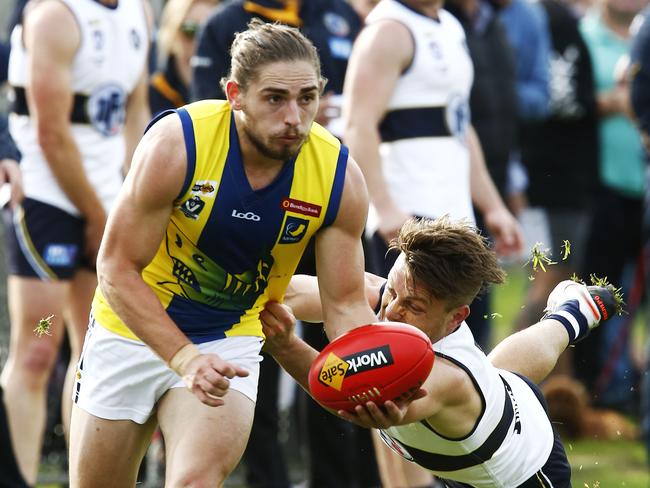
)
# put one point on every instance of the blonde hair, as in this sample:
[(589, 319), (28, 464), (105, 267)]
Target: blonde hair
[(170, 22), (263, 43)]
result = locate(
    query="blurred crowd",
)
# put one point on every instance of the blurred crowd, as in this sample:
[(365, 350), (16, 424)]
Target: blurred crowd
[(552, 160)]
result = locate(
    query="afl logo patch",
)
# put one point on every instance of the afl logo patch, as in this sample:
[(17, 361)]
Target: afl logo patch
[(294, 230), (106, 109), (192, 207)]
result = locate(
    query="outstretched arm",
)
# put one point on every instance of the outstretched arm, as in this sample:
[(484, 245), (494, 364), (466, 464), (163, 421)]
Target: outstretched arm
[(339, 260), (303, 296)]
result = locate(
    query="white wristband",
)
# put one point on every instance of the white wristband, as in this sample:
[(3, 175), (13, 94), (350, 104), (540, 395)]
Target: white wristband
[(182, 358)]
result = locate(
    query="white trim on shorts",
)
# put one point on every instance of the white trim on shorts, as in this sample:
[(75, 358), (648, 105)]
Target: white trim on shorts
[(121, 379)]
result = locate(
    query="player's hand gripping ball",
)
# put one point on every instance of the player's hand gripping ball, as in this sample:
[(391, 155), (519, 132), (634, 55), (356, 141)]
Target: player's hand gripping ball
[(376, 362)]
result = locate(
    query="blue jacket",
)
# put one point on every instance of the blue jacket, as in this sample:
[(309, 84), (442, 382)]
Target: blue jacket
[(527, 30), (331, 25)]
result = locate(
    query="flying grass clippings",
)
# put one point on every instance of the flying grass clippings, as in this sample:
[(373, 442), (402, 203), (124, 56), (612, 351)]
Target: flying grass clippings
[(43, 327)]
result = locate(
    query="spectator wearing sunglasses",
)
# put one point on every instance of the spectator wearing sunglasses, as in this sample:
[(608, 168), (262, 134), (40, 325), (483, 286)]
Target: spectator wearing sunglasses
[(179, 24)]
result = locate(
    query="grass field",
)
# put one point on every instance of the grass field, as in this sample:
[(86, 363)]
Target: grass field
[(595, 464)]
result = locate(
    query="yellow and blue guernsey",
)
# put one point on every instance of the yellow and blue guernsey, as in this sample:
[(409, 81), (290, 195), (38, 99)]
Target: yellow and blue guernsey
[(228, 248)]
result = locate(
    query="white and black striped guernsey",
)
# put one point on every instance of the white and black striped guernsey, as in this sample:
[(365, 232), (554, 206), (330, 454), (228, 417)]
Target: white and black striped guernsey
[(511, 441), (424, 156), (106, 69)]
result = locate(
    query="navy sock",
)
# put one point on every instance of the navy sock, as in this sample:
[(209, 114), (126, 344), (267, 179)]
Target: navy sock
[(569, 315)]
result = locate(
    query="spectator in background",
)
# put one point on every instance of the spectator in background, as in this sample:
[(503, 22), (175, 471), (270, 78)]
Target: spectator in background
[(9, 173), (639, 75), (179, 25), (493, 108), (78, 110), (339, 454), (331, 25), (603, 361), (527, 30), (561, 152)]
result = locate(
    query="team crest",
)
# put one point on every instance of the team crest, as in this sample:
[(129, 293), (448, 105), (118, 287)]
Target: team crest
[(107, 109), (192, 207), (294, 230), (457, 116)]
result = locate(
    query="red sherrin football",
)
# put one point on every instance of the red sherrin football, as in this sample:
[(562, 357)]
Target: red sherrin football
[(375, 362)]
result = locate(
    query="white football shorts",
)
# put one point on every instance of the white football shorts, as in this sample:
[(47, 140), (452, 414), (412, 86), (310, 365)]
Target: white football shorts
[(121, 379)]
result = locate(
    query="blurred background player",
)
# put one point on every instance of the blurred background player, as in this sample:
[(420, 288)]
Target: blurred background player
[(79, 82), (604, 362), (411, 133), (180, 23)]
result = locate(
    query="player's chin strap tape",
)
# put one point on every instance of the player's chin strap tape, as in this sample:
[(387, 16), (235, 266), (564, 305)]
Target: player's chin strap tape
[(443, 462), (79, 114)]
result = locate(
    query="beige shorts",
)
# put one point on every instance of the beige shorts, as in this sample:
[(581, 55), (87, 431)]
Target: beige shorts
[(122, 379)]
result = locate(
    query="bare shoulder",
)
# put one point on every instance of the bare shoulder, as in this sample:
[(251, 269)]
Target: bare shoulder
[(160, 160), (386, 40), (50, 18)]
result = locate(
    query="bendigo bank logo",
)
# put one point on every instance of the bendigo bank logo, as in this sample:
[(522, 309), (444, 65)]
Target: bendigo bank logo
[(336, 369)]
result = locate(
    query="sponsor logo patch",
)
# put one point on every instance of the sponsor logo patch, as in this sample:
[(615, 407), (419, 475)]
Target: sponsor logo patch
[(297, 206), (603, 310), (246, 216), (378, 357), (204, 188), (333, 371), (107, 109), (336, 369), (294, 230), (60, 254)]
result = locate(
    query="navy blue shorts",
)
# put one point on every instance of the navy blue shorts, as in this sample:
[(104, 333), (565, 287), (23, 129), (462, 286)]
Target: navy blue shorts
[(556, 472), (44, 241)]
